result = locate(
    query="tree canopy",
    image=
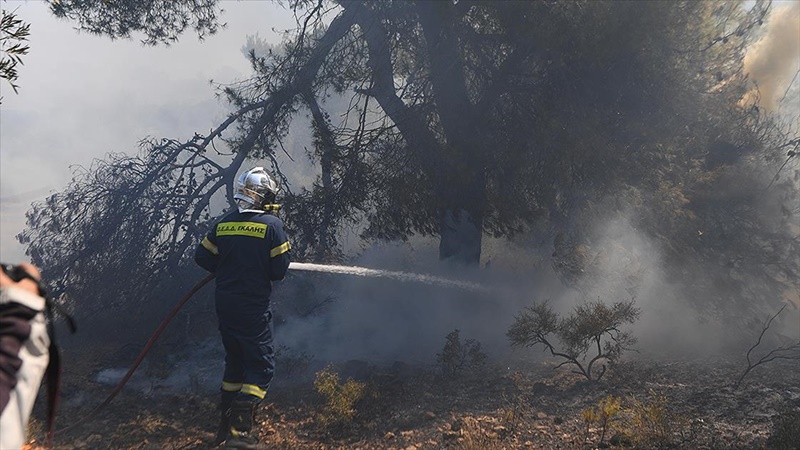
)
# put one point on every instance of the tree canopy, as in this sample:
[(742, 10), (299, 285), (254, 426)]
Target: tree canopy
[(465, 119)]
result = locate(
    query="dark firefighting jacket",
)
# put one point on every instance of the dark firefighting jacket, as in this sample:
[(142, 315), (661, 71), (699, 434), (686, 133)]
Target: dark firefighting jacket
[(247, 251)]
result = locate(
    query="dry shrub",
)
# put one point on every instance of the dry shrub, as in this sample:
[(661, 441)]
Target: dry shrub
[(458, 357), (603, 416), (340, 398), (650, 424)]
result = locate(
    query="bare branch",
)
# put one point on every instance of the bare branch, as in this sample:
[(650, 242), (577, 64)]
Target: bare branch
[(789, 351)]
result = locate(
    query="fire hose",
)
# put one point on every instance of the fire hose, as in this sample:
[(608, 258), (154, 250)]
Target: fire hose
[(142, 354)]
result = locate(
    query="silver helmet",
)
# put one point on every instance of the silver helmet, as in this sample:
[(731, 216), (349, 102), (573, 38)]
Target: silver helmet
[(255, 189)]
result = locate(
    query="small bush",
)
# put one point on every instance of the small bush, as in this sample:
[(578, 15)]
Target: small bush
[(604, 415), (340, 399), (457, 357), (592, 327), (639, 424), (651, 425)]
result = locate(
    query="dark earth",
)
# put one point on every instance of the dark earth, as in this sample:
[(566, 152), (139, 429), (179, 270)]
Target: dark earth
[(687, 404)]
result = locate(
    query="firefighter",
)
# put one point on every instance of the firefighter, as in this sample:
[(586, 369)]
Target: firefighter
[(247, 250)]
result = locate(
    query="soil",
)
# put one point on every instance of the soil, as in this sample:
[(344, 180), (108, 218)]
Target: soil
[(662, 404)]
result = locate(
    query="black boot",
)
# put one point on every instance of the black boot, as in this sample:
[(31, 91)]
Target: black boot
[(226, 399), (242, 417)]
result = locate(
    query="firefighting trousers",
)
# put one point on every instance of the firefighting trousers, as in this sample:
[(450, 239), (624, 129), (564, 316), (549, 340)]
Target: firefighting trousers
[(249, 354)]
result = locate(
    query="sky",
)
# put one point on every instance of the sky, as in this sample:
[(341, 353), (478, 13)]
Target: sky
[(83, 96)]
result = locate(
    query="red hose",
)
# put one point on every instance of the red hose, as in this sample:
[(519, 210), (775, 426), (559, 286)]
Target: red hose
[(141, 356)]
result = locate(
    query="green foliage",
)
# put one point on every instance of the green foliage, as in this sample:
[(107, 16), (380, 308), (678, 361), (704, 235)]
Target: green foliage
[(458, 357), (13, 34), (340, 399), (592, 325), (533, 325), (591, 322), (159, 21), (785, 432), (605, 415)]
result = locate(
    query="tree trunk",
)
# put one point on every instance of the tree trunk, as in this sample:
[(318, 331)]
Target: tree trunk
[(460, 238), (455, 166), (464, 190)]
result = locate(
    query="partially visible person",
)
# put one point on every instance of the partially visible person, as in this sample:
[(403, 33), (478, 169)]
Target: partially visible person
[(24, 354)]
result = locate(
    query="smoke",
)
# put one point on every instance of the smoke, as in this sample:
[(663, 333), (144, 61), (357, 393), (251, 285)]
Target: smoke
[(383, 320), (631, 266), (619, 262), (200, 373), (772, 62)]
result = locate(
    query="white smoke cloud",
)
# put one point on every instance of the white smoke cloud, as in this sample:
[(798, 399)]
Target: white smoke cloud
[(774, 60)]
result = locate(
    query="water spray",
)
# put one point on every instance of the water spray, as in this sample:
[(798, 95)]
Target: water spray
[(394, 275)]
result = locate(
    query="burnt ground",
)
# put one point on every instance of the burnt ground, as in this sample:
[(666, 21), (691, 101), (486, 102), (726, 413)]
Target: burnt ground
[(663, 404)]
